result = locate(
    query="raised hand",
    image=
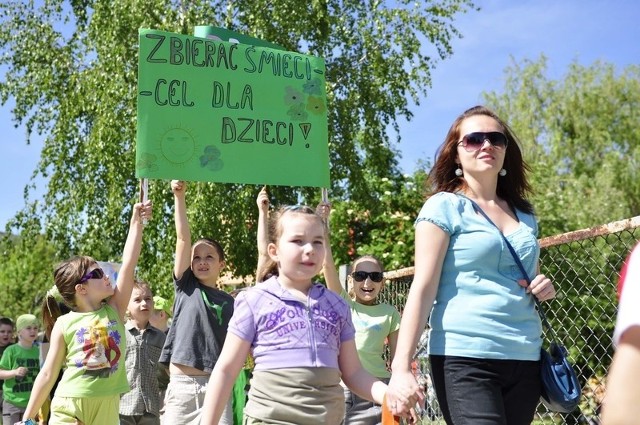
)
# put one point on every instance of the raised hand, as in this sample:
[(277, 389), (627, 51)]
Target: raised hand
[(263, 200), (178, 186)]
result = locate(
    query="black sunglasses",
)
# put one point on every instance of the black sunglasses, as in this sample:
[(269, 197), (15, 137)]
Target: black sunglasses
[(93, 274), (361, 276), (474, 141)]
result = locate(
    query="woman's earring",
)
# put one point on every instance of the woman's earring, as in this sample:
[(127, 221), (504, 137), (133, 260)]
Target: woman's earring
[(459, 172), (502, 172)]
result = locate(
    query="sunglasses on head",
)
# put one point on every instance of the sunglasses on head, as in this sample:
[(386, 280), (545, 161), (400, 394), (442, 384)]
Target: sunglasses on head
[(93, 274), (298, 208), (474, 141), (361, 276)]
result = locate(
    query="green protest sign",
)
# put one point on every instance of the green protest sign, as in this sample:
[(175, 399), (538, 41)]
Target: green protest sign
[(210, 110), (223, 34)]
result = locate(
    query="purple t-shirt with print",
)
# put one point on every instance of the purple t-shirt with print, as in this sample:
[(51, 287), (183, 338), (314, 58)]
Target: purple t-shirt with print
[(286, 332)]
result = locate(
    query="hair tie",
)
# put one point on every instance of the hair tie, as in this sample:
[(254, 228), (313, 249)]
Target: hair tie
[(54, 293)]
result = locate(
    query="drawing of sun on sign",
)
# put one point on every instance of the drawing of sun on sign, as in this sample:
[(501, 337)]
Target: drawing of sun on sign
[(178, 145)]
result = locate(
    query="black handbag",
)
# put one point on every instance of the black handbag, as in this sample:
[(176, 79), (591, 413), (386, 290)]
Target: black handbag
[(561, 389)]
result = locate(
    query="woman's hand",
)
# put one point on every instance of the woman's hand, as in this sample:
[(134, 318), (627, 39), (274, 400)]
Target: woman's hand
[(403, 393), (541, 287)]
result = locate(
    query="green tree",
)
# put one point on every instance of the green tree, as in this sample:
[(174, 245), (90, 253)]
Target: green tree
[(385, 228), (26, 272), (581, 136), (71, 69)]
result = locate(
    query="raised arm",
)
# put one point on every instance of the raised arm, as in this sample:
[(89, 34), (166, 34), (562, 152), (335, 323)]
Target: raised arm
[(183, 233), (329, 268), (262, 237), (393, 343), (430, 248), (130, 255)]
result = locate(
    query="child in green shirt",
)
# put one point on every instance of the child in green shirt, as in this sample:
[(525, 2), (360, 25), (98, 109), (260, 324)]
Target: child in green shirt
[(19, 366)]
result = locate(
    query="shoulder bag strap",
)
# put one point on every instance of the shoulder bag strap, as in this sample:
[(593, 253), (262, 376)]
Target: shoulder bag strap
[(539, 308)]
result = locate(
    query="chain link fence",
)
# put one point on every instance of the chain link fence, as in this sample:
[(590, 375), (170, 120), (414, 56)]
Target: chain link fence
[(584, 266)]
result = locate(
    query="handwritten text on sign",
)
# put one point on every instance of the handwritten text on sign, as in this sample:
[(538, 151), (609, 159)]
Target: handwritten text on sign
[(209, 110)]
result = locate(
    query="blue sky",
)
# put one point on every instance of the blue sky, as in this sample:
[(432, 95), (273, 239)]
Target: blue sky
[(562, 30)]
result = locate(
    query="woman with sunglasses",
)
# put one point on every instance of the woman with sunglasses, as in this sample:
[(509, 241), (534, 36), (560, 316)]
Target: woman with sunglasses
[(88, 343), (485, 337), (375, 323)]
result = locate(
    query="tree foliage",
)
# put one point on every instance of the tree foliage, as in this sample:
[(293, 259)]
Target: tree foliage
[(25, 274), (384, 229), (580, 133), (71, 70)]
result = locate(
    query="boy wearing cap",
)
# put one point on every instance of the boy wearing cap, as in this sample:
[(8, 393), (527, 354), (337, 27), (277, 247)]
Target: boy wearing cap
[(159, 319), (19, 365)]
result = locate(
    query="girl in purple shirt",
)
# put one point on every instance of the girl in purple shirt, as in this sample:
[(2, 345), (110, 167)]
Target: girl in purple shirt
[(300, 334)]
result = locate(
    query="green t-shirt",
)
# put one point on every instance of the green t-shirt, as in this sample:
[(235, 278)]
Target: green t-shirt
[(96, 347), (17, 390), (1, 381), (373, 323)]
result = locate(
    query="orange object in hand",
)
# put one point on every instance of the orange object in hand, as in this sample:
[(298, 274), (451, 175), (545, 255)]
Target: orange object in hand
[(387, 416)]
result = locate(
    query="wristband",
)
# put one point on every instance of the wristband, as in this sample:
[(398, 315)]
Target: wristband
[(27, 422)]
